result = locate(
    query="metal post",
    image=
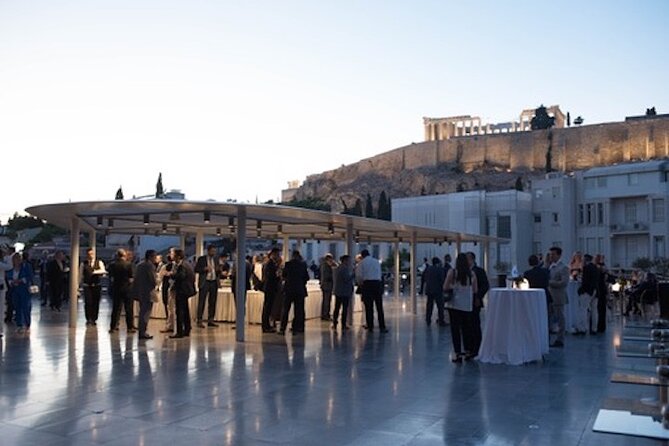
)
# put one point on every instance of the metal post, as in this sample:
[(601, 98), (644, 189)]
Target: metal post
[(199, 243), (182, 242), (458, 245), (350, 248), (74, 271), (285, 251), (486, 256), (414, 300), (92, 243), (240, 266), (396, 285)]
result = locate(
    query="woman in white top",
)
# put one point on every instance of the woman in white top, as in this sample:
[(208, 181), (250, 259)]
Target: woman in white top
[(457, 280)]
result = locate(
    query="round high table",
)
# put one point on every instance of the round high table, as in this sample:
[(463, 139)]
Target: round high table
[(516, 327)]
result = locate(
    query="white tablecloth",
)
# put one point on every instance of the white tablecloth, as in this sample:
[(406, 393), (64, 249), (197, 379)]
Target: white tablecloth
[(516, 326), (225, 306)]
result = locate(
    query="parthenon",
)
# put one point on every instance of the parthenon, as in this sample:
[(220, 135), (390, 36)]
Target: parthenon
[(438, 129)]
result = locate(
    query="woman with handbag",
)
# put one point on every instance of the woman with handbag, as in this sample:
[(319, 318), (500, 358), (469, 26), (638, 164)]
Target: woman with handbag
[(460, 287)]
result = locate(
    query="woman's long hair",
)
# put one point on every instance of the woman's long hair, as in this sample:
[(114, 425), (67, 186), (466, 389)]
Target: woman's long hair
[(462, 271)]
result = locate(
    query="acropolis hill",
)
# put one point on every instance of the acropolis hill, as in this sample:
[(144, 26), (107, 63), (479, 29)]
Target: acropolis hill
[(460, 153)]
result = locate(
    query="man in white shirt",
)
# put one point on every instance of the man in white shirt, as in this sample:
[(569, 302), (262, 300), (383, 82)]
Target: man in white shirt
[(92, 270), (208, 268), (368, 277)]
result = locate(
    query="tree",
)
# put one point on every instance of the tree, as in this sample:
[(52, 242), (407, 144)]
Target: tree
[(119, 194), (309, 203), (369, 208), (422, 190), (383, 210), (160, 193), (357, 209), (642, 263), (568, 120), (578, 120), (651, 111), (519, 184), (541, 120)]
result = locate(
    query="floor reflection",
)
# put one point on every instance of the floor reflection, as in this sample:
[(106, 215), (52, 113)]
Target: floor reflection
[(85, 386)]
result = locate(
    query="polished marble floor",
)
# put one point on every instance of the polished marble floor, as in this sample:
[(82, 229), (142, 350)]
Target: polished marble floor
[(84, 386)]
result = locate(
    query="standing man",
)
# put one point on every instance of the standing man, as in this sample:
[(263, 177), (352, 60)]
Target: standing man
[(43, 291), (344, 278), (184, 288), (558, 278), (145, 289), (295, 276), (482, 288), (368, 276), (5, 265), (271, 286), (121, 275), (434, 277), (55, 274), (327, 284), (93, 269), (208, 270)]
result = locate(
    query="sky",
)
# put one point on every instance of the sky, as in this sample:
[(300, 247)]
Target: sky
[(232, 99)]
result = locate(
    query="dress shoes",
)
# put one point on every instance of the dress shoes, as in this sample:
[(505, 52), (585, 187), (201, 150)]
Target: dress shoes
[(557, 344), (201, 325), (457, 359), (268, 330), (132, 330), (145, 336), (166, 331), (383, 330), (176, 336), (212, 324), (281, 332)]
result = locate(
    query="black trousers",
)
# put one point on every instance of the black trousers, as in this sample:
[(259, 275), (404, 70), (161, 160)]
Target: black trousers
[(92, 302), (327, 301), (432, 300), (56, 290), (341, 302), (475, 330), (121, 299), (267, 305), (145, 307), (372, 294), (460, 330), (183, 316), (298, 317), (210, 288), (166, 298), (601, 313)]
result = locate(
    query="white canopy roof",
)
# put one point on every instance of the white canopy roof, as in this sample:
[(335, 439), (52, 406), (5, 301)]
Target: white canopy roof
[(210, 217)]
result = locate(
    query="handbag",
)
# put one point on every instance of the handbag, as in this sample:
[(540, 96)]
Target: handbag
[(33, 289)]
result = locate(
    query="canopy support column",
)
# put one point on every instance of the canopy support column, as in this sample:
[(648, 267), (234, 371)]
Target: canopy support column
[(396, 285), (199, 243), (414, 300), (92, 242), (74, 271), (486, 256), (285, 251), (240, 267)]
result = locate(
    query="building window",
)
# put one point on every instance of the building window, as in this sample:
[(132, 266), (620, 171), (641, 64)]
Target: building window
[(600, 213), (376, 251), (537, 218), (333, 250), (556, 218), (601, 182), (536, 248), (589, 217), (581, 214), (556, 191), (632, 249), (504, 226), (633, 179), (589, 183), (630, 212), (658, 246), (310, 251), (658, 210)]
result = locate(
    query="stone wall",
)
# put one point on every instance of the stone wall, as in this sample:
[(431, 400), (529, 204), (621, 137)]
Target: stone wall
[(573, 148)]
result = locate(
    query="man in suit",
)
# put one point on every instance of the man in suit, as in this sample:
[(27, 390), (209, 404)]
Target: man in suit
[(121, 275), (537, 277), (93, 269), (208, 270), (558, 279), (295, 276), (327, 284), (55, 274), (587, 297), (434, 277), (482, 289), (271, 287), (144, 288)]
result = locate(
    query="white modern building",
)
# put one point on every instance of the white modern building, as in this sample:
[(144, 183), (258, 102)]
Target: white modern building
[(619, 211), (505, 214)]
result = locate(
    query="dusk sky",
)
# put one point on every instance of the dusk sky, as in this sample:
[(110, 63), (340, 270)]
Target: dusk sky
[(232, 99)]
